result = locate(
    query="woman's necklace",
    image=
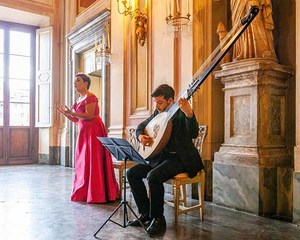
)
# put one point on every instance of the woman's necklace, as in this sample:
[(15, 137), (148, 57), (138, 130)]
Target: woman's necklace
[(82, 96)]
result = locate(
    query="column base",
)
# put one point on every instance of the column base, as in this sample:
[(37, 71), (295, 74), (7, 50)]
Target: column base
[(236, 187), (261, 190)]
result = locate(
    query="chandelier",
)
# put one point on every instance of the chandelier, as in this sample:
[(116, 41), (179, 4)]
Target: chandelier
[(178, 22), (102, 51), (140, 19)]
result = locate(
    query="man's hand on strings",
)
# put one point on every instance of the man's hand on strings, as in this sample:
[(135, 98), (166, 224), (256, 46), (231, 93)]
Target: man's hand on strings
[(145, 139), (185, 106)]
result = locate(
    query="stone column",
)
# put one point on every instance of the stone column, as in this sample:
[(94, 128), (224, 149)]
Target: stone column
[(105, 94), (252, 162)]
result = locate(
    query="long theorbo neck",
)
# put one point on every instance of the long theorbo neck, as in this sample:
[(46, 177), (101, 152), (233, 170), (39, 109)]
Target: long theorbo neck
[(213, 60)]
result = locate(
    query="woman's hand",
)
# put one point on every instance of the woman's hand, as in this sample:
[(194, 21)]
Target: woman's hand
[(64, 110), (185, 106)]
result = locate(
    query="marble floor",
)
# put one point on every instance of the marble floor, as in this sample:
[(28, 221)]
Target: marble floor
[(35, 205)]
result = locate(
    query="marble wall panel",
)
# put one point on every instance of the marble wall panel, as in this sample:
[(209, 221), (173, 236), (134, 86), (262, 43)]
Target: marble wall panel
[(236, 187), (64, 157), (168, 188), (208, 182), (296, 198), (54, 156), (43, 158)]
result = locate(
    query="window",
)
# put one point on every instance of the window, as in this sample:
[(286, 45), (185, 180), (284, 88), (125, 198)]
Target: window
[(16, 74), (19, 78)]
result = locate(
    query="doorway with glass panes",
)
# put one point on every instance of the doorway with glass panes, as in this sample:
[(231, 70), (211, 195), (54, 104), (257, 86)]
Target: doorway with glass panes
[(18, 141)]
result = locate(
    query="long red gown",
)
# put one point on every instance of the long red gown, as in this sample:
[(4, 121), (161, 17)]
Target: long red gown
[(95, 180)]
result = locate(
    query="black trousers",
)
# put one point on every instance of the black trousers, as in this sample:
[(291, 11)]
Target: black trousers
[(156, 176)]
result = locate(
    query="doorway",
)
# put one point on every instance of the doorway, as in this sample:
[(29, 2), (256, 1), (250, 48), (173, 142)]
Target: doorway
[(18, 144)]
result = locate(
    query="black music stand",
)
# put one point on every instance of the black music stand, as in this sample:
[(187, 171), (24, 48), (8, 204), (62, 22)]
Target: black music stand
[(122, 150)]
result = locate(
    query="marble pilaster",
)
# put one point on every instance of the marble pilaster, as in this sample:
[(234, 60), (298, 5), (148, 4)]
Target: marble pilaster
[(252, 169), (58, 155)]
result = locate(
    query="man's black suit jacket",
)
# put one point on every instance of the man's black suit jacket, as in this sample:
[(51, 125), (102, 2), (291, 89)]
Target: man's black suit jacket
[(183, 132)]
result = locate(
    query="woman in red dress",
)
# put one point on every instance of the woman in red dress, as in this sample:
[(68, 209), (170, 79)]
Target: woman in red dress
[(95, 180)]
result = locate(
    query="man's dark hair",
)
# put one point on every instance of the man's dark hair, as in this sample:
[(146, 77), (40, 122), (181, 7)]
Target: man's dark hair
[(85, 78), (164, 90)]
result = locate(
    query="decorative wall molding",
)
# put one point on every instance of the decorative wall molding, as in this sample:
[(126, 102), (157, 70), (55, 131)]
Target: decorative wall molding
[(116, 131), (97, 8), (83, 38)]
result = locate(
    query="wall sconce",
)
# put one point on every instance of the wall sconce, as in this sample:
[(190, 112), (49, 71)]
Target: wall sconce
[(178, 22), (102, 51), (140, 19)]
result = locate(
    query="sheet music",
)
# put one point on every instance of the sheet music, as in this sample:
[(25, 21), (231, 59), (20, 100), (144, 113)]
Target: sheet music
[(120, 148)]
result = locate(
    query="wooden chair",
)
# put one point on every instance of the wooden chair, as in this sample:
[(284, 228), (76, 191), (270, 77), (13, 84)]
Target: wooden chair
[(119, 165), (179, 184)]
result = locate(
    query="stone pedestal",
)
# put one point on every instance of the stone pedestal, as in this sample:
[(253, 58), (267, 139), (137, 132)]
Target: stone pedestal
[(252, 170)]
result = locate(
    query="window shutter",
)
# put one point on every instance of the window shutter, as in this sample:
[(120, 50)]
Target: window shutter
[(43, 108)]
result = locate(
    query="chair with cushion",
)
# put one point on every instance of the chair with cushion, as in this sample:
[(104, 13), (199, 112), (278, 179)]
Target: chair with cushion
[(179, 184), (119, 165)]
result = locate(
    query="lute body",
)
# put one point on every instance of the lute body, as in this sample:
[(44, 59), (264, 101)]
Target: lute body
[(160, 127), (160, 130)]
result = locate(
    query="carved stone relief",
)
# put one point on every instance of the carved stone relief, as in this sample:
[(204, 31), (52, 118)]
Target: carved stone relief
[(276, 114), (240, 115)]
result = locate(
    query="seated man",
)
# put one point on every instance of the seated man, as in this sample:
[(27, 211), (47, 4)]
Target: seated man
[(180, 155)]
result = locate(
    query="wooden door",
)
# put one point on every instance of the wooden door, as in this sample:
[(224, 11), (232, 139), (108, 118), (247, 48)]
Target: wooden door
[(18, 141)]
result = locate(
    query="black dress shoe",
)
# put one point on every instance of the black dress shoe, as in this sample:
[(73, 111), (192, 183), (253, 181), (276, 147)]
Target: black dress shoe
[(157, 226), (144, 218)]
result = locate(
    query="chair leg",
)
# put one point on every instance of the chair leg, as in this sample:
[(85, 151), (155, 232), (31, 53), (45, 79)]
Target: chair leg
[(176, 201), (201, 188)]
